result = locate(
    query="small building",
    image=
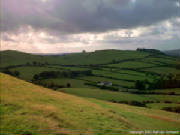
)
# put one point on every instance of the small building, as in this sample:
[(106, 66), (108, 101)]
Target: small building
[(104, 83)]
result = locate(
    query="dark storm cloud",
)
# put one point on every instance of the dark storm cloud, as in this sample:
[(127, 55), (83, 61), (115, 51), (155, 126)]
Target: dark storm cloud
[(76, 16)]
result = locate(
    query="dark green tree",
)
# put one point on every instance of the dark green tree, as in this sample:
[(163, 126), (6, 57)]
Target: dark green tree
[(141, 85), (68, 85), (36, 77), (16, 73)]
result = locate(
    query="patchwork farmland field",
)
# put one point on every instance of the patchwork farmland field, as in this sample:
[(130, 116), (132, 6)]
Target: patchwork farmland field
[(121, 96)]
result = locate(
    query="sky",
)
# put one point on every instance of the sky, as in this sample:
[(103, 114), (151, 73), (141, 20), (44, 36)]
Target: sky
[(63, 26)]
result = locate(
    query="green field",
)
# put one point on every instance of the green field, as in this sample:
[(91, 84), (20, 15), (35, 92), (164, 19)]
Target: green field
[(76, 68), (161, 60), (166, 91), (132, 64), (120, 76), (162, 70), (27, 72), (119, 96), (27, 109), (103, 94)]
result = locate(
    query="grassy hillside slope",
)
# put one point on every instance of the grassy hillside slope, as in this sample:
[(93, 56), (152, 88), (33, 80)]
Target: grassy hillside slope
[(98, 57), (27, 109), (10, 57)]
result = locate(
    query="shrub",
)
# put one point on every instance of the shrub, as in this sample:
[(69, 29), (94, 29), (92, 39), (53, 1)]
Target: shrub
[(172, 109), (13, 73), (168, 102), (171, 93), (35, 77), (16, 73), (140, 85), (68, 85), (137, 103), (134, 103), (123, 102)]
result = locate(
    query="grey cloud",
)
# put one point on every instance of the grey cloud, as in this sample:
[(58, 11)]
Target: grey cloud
[(77, 16)]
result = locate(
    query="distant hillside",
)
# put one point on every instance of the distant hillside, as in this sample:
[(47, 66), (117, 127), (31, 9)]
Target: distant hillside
[(27, 109), (52, 54), (98, 57), (10, 57), (173, 52)]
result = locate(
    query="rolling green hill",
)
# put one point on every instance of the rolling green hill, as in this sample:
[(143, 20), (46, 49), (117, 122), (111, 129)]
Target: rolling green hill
[(98, 57), (10, 57), (27, 109)]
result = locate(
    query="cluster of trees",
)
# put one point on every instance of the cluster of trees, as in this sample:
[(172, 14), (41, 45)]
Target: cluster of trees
[(178, 66), (134, 103), (164, 82), (35, 63), (13, 73), (172, 109), (153, 93), (61, 74), (143, 104), (52, 85), (141, 85), (149, 50)]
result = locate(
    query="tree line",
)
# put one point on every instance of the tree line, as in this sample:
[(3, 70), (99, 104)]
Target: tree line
[(9, 72), (61, 74), (52, 85), (163, 82)]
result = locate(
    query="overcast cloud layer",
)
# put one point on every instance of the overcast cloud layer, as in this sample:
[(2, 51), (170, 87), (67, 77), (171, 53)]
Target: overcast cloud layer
[(74, 25)]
